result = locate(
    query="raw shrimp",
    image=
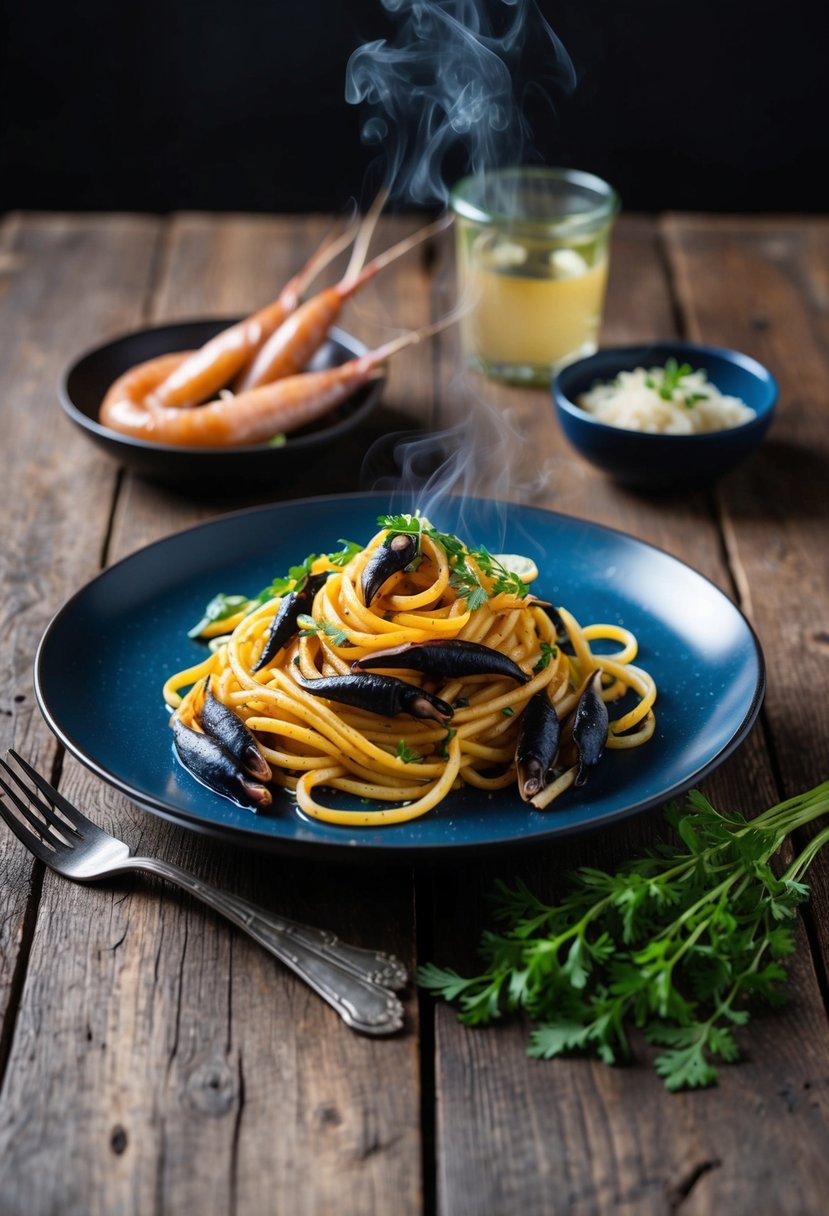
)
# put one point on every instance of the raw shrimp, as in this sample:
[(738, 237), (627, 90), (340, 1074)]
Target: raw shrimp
[(132, 408), (290, 348)]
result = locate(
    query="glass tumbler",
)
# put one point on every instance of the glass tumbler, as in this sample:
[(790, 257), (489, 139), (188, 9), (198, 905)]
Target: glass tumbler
[(532, 259)]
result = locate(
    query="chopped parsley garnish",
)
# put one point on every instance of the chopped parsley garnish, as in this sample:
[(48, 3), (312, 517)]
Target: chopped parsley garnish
[(308, 627), (463, 577), (444, 748), (405, 753), (673, 375), (548, 652)]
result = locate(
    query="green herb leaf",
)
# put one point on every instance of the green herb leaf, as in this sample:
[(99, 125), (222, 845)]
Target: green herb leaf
[(465, 583), (308, 627), (444, 748), (220, 608), (674, 373), (678, 943), (408, 525), (504, 580), (343, 556), (405, 753), (463, 577), (548, 653), (686, 1067)]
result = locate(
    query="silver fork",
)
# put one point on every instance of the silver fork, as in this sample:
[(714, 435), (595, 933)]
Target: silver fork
[(358, 983)]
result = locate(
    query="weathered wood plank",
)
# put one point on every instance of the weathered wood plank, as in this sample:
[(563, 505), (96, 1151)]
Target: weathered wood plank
[(212, 1078), (575, 1136), (769, 278), (581, 1138), (160, 1061), (57, 489), (330, 1120)]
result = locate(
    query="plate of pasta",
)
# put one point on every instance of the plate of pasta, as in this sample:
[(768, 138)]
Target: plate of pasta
[(335, 674)]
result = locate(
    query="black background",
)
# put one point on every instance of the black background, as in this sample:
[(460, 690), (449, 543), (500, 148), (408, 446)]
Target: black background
[(240, 105)]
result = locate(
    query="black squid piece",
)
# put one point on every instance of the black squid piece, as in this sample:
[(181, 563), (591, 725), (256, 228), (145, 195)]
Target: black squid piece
[(589, 727), (537, 745), (543, 740), (449, 659), (285, 624), (387, 559), (224, 754), (562, 636), (385, 695)]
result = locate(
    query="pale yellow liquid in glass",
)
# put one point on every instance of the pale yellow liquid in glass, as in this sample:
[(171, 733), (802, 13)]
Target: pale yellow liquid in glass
[(522, 320)]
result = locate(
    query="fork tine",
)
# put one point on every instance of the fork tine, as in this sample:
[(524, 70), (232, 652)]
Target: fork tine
[(39, 826), (46, 811), (71, 812), (33, 843)]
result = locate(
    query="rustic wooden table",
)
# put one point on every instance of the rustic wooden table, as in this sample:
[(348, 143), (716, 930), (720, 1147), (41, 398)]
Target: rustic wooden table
[(152, 1059)]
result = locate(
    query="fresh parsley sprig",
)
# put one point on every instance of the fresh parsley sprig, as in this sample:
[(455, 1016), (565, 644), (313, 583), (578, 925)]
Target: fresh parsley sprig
[(676, 943), (504, 580), (402, 525)]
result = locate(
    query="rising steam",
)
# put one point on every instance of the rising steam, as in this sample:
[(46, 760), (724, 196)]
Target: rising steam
[(475, 461), (447, 95)]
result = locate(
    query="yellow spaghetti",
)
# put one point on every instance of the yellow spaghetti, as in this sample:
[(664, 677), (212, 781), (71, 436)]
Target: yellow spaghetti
[(409, 765)]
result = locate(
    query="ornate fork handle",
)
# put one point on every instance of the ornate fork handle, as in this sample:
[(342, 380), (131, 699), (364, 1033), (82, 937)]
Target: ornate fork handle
[(349, 978), (374, 965)]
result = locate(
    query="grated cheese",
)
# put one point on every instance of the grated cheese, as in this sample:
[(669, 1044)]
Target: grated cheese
[(687, 405)]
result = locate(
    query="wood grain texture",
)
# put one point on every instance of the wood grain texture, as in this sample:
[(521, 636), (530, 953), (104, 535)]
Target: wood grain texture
[(153, 1059), (202, 1075), (206, 1075), (579, 1137), (772, 303), (57, 491)]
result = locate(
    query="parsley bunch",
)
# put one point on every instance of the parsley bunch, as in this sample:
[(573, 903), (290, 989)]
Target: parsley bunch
[(464, 577), (676, 943)]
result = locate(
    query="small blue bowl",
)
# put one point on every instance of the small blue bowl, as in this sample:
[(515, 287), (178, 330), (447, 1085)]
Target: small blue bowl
[(660, 462)]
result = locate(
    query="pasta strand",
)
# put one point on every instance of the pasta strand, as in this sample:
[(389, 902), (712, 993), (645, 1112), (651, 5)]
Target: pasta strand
[(316, 744)]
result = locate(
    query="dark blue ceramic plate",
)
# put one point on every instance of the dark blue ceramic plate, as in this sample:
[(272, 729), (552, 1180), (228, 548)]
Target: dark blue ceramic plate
[(102, 662)]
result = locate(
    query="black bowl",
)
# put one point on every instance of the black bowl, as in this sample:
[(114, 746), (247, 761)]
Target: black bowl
[(84, 383)]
